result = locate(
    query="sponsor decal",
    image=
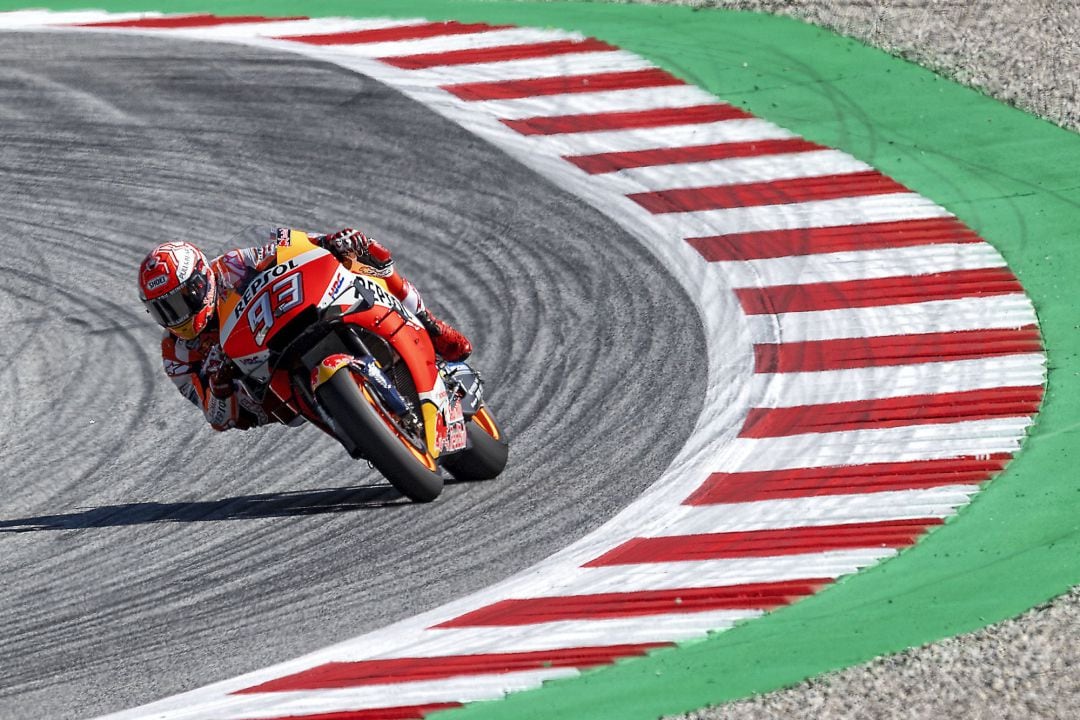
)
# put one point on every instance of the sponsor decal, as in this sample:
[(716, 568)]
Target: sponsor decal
[(190, 393), (384, 272), (456, 436), (253, 361), (283, 296), (326, 369), (382, 296), (284, 237), (157, 282), (174, 368), (185, 264)]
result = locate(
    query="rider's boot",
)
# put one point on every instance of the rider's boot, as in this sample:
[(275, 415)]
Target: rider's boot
[(448, 342)]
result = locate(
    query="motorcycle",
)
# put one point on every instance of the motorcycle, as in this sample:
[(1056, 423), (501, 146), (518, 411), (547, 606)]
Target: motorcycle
[(314, 339)]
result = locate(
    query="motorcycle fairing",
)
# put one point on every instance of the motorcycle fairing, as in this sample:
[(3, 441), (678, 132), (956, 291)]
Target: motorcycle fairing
[(252, 313)]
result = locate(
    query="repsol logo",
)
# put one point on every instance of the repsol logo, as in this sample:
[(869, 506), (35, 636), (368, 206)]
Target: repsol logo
[(382, 297), (260, 282)]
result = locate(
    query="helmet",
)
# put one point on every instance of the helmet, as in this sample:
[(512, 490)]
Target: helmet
[(177, 287)]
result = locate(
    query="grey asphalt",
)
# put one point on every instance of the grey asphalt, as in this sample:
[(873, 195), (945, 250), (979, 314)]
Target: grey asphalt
[(141, 554)]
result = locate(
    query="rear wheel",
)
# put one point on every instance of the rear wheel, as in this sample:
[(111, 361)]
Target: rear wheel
[(486, 456), (392, 448)]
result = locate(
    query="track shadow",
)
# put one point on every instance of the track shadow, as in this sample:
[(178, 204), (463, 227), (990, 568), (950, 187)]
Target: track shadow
[(244, 507)]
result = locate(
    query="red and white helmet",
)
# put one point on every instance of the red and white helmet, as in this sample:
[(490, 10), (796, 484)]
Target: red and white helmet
[(176, 284)]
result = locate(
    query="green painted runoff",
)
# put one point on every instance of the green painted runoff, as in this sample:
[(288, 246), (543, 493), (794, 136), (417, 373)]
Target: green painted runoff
[(1006, 174)]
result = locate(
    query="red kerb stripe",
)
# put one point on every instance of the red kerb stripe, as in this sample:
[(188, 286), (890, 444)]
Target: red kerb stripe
[(842, 354), (189, 21), (892, 412), (765, 543), (400, 670), (752, 596), (777, 192), (613, 161), (563, 85), (404, 712), (590, 122), (739, 487), (876, 292), (390, 34), (812, 241), (498, 54)]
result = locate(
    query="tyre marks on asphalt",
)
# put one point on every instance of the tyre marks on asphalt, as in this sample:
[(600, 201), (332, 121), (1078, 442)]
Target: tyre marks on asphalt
[(136, 547), (895, 366)]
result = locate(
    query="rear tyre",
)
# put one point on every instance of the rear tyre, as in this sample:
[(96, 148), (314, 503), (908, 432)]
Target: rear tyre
[(360, 416), (488, 451)]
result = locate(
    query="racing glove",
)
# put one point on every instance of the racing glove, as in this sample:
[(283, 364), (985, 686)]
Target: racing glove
[(220, 373), (346, 242), (351, 244)]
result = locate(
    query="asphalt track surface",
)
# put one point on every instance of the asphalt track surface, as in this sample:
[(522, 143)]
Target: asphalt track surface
[(141, 553)]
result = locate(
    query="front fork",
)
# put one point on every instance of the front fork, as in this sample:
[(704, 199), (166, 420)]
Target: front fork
[(366, 366)]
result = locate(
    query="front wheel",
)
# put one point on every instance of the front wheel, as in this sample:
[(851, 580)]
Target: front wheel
[(359, 414), (488, 449)]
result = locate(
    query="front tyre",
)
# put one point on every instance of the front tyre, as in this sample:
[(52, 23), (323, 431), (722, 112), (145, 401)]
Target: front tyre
[(358, 414), (487, 453)]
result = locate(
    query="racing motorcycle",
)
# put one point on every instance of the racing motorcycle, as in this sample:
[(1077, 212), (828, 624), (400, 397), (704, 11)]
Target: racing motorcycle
[(314, 339)]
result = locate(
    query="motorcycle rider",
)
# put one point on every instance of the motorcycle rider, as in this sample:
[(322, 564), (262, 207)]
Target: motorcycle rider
[(179, 288)]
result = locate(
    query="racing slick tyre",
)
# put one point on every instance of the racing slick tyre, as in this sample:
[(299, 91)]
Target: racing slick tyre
[(488, 449), (398, 455)]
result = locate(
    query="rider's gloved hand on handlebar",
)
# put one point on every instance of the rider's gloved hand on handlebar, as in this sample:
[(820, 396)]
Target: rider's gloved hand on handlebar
[(220, 373), (346, 242)]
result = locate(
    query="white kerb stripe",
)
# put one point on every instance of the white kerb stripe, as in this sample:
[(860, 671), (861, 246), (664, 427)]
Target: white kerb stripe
[(872, 383), (937, 502), (40, 18), (792, 216), (595, 102), (314, 26), (645, 577), (711, 133), (861, 264), (556, 635), (585, 63), (452, 43), (862, 447), (734, 171), (979, 313), (312, 702)]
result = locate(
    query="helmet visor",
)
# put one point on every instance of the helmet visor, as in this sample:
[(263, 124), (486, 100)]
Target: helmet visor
[(178, 306)]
